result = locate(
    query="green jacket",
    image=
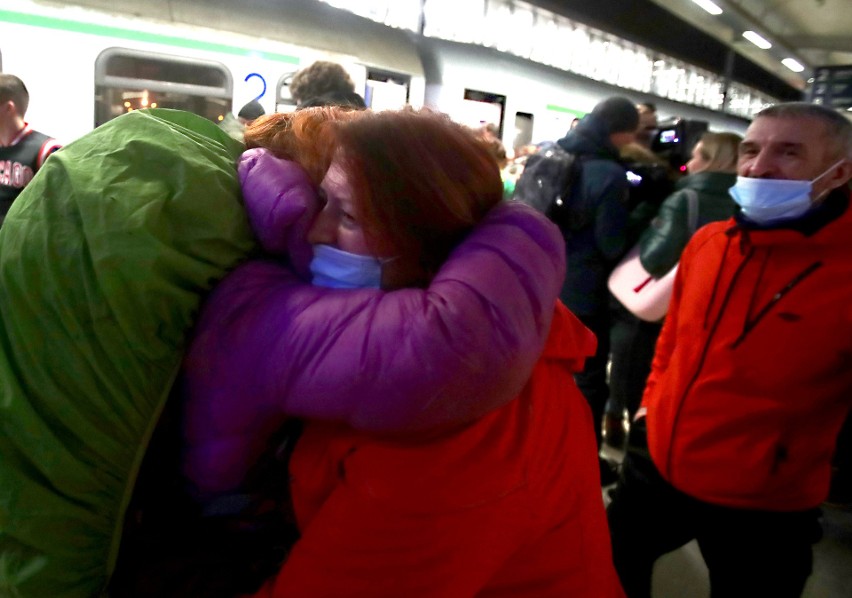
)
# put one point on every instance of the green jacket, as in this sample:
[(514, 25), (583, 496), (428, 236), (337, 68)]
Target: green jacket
[(661, 244), (104, 260)]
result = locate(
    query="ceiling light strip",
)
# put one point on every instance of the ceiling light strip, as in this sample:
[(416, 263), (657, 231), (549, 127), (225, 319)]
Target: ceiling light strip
[(757, 40), (710, 7)]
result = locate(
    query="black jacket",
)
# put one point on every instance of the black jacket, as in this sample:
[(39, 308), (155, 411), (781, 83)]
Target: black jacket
[(600, 201)]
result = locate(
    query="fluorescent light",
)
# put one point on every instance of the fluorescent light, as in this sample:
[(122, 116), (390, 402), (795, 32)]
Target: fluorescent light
[(757, 40), (709, 6), (793, 65)]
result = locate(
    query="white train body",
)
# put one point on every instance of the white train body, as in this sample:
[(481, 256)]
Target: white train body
[(62, 51)]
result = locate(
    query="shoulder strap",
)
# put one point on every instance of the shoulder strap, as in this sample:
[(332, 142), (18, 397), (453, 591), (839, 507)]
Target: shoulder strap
[(692, 207), (572, 175)]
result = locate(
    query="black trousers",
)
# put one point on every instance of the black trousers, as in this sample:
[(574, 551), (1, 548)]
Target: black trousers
[(748, 553), (632, 345), (592, 381)]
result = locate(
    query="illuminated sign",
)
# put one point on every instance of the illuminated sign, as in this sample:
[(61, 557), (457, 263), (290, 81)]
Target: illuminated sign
[(832, 86)]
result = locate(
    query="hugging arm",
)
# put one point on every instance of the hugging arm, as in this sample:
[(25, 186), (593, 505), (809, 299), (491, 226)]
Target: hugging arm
[(268, 345)]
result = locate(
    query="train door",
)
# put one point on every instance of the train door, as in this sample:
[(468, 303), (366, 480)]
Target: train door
[(127, 79)]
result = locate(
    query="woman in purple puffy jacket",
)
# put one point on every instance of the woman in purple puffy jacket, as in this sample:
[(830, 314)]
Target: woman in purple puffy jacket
[(446, 450)]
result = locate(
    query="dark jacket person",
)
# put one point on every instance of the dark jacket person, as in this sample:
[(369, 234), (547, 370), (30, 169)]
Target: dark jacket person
[(595, 236)]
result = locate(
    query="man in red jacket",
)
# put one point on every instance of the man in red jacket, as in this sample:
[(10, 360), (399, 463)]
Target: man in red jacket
[(742, 413)]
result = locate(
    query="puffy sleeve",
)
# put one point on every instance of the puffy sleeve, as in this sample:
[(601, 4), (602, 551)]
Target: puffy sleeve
[(269, 345), (281, 203)]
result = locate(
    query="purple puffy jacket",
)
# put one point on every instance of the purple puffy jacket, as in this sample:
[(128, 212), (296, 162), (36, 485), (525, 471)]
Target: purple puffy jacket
[(269, 345)]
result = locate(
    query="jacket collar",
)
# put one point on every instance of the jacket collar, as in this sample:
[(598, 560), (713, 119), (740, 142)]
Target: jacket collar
[(833, 215)]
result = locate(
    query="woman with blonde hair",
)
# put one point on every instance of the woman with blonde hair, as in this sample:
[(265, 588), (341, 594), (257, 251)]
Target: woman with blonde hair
[(711, 172)]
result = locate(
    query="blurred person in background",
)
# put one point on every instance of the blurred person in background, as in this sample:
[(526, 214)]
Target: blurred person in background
[(595, 238), (648, 124), (235, 125), (711, 173), (490, 135), (319, 79), (22, 149), (345, 99), (250, 112)]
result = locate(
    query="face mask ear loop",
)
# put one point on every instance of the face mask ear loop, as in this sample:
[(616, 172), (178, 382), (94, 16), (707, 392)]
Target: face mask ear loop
[(822, 195)]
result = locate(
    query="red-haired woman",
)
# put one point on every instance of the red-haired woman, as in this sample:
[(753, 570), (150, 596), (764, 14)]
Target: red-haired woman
[(446, 450)]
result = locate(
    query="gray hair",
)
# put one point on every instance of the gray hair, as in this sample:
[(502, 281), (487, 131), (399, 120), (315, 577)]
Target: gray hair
[(838, 128)]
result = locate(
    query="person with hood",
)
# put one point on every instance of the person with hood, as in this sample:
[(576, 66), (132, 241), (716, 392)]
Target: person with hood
[(423, 470), (595, 238), (752, 376)]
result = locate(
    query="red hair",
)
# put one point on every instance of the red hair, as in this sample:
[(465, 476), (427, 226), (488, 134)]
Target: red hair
[(421, 180), (294, 136)]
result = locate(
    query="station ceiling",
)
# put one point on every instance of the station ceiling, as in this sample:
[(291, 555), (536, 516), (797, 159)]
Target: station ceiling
[(813, 32)]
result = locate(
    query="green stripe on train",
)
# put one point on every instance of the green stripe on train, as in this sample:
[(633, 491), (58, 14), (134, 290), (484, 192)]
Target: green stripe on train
[(21, 18), (555, 108)]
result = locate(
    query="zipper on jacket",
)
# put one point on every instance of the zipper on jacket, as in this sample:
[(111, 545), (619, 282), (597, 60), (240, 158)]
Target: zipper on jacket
[(751, 323), (728, 233), (704, 351)]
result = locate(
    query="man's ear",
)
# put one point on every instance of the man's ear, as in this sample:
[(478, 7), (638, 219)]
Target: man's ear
[(842, 175)]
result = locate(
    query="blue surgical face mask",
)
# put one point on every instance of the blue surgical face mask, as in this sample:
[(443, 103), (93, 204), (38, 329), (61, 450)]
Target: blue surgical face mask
[(337, 269), (767, 201)]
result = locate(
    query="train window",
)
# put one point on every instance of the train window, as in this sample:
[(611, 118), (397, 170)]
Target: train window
[(482, 108), (386, 90), (284, 101), (126, 80)]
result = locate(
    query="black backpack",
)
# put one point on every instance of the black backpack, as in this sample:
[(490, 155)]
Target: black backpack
[(547, 183)]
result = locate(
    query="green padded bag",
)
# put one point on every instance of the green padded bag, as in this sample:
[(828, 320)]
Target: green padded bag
[(104, 260)]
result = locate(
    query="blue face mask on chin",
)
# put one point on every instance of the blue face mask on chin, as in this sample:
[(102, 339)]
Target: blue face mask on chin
[(336, 269), (769, 201)]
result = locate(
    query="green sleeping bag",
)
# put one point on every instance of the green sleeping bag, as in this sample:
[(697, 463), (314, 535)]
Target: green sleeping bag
[(104, 260)]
